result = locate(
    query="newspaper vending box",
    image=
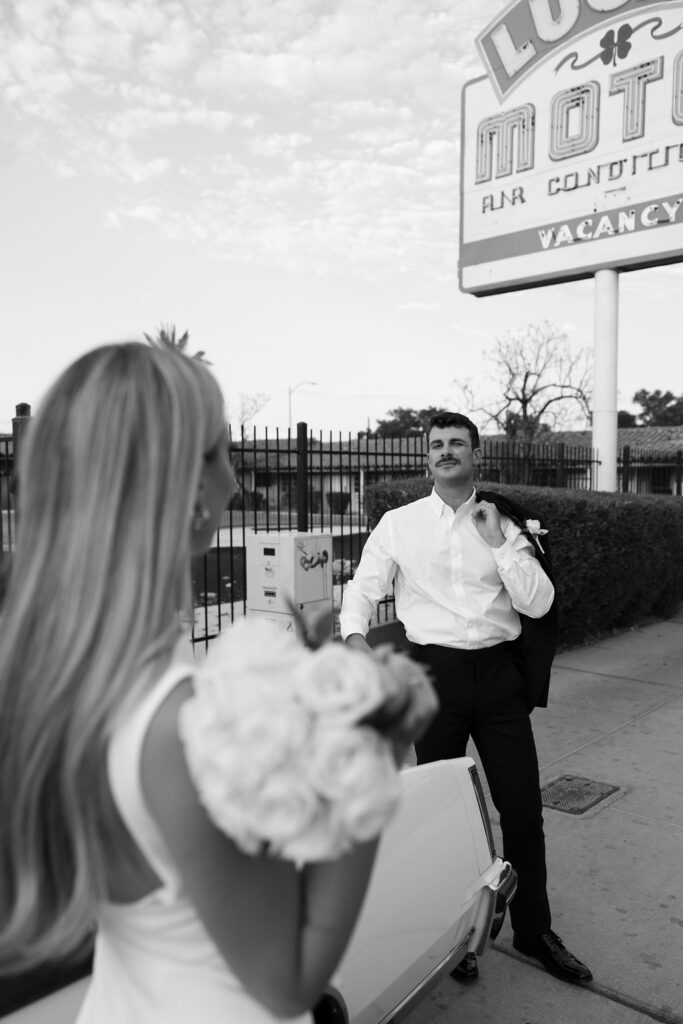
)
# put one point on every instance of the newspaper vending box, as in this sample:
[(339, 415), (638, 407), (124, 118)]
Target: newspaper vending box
[(287, 568)]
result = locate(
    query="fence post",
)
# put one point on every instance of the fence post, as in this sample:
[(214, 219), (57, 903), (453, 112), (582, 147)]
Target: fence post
[(561, 466), (679, 472), (527, 463), (19, 423), (625, 468), (302, 477)]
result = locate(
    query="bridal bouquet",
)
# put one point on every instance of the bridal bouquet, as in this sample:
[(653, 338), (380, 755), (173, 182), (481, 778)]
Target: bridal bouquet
[(284, 743)]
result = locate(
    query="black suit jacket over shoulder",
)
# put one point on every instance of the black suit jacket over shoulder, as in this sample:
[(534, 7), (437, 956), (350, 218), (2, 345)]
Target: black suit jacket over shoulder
[(536, 647)]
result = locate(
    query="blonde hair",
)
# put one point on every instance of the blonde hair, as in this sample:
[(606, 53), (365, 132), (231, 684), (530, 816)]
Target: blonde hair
[(107, 486)]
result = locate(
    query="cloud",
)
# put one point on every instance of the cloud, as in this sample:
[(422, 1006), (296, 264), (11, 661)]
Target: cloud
[(113, 220), (143, 121), (296, 132), (87, 38), (419, 307), (245, 74), (181, 44), (150, 211), (65, 170), (278, 145), (141, 171)]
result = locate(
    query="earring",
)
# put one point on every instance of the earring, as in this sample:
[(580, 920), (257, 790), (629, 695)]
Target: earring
[(200, 517)]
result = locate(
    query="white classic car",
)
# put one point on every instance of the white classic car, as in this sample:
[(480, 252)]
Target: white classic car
[(438, 890)]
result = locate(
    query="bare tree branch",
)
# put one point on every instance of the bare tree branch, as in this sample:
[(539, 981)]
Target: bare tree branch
[(537, 383), (250, 405)]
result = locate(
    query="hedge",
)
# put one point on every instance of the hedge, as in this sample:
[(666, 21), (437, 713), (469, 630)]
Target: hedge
[(617, 558)]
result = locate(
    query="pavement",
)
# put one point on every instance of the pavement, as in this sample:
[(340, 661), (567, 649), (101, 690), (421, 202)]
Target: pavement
[(615, 872)]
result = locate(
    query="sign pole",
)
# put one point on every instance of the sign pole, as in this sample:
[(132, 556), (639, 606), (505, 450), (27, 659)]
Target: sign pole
[(605, 342)]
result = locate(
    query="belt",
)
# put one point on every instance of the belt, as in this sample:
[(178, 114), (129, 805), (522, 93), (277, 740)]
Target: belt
[(441, 652)]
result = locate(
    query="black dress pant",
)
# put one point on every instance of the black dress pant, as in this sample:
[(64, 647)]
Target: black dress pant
[(481, 695)]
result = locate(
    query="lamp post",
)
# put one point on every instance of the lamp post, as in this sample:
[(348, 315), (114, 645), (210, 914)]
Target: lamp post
[(301, 383)]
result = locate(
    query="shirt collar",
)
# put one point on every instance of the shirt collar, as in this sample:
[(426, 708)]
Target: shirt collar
[(440, 506)]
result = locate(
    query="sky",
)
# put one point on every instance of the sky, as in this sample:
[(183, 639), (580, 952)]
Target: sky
[(280, 178)]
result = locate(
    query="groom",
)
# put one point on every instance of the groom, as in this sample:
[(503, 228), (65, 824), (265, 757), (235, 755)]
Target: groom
[(474, 594)]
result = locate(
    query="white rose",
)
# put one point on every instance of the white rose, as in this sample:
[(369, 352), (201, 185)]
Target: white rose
[(339, 682), (343, 761), (324, 839), (533, 527), (251, 659), (212, 757), (364, 815), (234, 817), (234, 695), (267, 737), (256, 647), (283, 807), (242, 743), (399, 672), (215, 768)]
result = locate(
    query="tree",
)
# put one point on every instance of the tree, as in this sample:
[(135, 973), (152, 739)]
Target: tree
[(660, 409), (165, 337), (249, 406), (539, 384), (402, 422), (626, 419)]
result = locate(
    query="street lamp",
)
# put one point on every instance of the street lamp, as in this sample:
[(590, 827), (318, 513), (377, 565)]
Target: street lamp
[(301, 383)]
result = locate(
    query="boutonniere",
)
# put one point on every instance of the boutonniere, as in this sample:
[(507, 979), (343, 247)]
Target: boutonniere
[(533, 528)]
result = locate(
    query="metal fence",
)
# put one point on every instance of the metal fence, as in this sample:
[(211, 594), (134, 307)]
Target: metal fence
[(539, 465), (7, 525), (315, 482), (647, 471), (6, 498)]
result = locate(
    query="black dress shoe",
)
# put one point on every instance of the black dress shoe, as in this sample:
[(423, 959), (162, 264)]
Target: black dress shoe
[(554, 955), (467, 969)]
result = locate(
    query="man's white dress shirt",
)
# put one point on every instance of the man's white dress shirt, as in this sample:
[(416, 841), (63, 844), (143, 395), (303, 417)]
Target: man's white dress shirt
[(451, 587)]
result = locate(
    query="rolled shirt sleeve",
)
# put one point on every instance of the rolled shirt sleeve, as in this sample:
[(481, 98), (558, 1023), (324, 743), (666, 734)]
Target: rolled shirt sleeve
[(523, 576), (371, 581)]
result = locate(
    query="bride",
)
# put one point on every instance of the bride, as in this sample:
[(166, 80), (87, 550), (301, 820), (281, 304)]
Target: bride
[(123, 477)]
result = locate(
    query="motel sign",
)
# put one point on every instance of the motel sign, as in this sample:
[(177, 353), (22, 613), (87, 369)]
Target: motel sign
[(572, 143)]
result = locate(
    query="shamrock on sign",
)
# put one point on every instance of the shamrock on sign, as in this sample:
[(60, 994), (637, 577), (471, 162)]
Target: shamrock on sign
[(616, 46)]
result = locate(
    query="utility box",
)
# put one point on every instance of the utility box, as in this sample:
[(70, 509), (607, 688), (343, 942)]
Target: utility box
[(286, 568)]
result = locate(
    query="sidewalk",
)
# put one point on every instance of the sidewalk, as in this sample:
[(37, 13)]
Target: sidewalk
[(615, 872)]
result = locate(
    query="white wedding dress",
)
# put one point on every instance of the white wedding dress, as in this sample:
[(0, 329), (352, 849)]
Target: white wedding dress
[(154, 961)]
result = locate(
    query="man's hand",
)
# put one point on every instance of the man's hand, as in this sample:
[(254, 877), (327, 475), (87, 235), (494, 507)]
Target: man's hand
[(358, 642), (487, 521)]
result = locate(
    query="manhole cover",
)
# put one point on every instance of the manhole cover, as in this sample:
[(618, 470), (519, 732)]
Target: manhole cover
[(574, 795)]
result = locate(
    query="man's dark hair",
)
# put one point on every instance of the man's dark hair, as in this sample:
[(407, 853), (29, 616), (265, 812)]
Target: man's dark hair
[(454, 419)]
